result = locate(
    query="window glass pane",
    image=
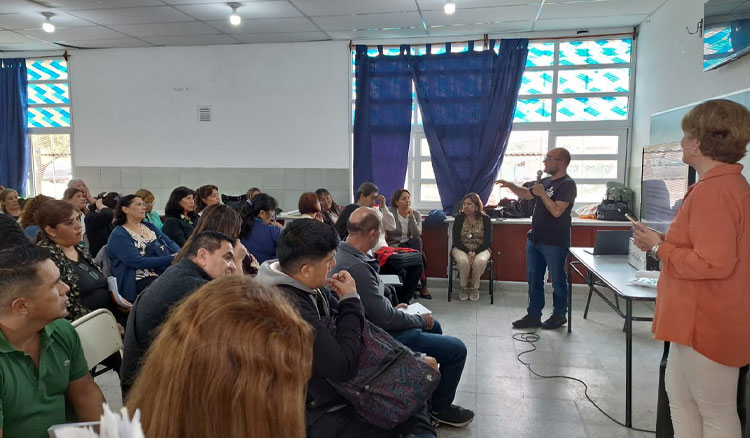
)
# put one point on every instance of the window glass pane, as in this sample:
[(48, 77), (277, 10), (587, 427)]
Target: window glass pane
[(589, 144), (426, 171), (594, 81), (595, 52), (429, 193), (48, 93), (593, 169), (354, 87), (533, 110), (717, 45), (541, 55), (590, 193), (424, 147), (46, 69), (527, 143), (580, 109), (49, 117), (459, 47), (51, 165), (438, 49), (536, 82)]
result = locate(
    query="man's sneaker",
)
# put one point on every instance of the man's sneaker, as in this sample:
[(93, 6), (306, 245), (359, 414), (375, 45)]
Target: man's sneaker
[(474, 294), (554, 321), (463, 295), (455, 416), (527, 321)]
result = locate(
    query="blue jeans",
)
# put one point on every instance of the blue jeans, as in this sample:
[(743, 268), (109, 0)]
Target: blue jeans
[(538, 259), (449, 352)]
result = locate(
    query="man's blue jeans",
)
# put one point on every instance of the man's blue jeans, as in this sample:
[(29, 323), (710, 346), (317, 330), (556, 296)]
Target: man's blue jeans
[(538, 259), (449, 352)]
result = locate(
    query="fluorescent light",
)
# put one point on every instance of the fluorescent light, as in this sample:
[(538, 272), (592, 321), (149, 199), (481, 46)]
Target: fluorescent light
[(47, 26), (235, 18), (449, 7)]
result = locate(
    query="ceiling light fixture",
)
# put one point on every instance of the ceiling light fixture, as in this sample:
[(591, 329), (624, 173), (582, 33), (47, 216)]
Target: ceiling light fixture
[(235, 19), (47, 26), (449, 7)]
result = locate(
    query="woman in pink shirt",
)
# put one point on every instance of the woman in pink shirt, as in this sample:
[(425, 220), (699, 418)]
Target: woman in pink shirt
[(703, 297)]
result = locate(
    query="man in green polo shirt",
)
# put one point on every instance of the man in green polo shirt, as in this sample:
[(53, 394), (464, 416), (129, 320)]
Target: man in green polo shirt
[(41, 360)]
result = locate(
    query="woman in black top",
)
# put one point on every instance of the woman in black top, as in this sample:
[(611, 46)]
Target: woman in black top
[(180, 217), (472, 239)]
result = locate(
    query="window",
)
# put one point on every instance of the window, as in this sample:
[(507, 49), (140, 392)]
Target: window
[(49, 126), (574, 94)]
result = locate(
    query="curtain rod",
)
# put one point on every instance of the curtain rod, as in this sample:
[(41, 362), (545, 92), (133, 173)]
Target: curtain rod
[(486, 39), (64, 55)]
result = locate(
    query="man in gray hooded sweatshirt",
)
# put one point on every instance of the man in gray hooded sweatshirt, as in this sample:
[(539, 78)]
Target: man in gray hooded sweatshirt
[(333, 308)]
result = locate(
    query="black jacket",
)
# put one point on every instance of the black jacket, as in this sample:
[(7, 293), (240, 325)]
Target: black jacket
[(98, 228), (151, 309), (460, 218), (177, 229)]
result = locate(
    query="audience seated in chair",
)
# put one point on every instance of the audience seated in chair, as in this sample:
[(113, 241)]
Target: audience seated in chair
[(41, 360), (179, 215), (28, 216), (328, 207), (99, 222), (472, 239), (332, 306), (253, 192), (309, 206), (9, 203), (137, 249), (81, 185), (260, 231), (419, 332), (152, 216), (206, 196), (232, 360), (408, 232), (210, 255), (61, 236)]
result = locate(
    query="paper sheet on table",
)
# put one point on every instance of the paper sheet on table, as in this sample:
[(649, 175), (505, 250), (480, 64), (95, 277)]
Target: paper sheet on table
[(648, 279), (416, 309)]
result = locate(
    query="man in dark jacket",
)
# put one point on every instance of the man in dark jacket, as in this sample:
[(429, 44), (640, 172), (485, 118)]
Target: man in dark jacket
[(419, 332), (210, 256), (332, 306)]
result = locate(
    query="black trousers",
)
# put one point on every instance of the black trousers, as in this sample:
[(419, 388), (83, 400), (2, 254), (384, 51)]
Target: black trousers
[(345, 424), (410, 276), (416, 243)]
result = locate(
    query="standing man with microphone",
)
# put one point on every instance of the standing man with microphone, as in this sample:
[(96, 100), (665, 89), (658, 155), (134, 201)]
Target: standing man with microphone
[(549, 238)]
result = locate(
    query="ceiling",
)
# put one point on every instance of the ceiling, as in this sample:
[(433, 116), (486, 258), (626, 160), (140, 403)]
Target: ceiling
[(146, 23)]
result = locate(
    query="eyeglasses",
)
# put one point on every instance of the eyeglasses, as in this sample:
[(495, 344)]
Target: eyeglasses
[(84, 267), (548, 158)]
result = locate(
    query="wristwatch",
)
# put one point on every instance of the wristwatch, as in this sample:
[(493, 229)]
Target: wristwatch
[(655, 251)]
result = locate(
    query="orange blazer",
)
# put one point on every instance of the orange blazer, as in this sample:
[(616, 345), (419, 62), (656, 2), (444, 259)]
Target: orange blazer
[(703, 295)]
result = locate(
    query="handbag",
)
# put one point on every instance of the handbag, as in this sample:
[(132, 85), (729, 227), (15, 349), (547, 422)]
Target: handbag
[(391, 383), (157, 248)]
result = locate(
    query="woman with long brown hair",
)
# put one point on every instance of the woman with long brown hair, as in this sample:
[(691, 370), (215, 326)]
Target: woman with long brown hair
[(232, 360), (28, 216)]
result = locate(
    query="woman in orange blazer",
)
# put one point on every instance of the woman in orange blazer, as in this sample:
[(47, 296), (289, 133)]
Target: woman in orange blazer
[(703, 296)]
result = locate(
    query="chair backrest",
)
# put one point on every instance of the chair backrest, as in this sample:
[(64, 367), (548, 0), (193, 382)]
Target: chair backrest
[(100, 337)]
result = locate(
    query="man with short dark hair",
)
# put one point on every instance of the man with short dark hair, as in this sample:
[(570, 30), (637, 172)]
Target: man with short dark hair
[(549, 239), (41, 360), (419, 332), (332, 306), (209, 256)]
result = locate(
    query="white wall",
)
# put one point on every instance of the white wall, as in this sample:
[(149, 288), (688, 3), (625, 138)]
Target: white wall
[(274, 106), (669, 71)]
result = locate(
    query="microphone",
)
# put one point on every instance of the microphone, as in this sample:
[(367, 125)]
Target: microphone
[(539, 174)]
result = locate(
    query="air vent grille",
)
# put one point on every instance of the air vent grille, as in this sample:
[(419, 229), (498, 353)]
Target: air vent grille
[(204, 113)]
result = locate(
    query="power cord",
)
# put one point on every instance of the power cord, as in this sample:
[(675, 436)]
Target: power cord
[(531, 338)]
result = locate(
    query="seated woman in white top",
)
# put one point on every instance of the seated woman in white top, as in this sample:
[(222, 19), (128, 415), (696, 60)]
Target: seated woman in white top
[(408, 232)]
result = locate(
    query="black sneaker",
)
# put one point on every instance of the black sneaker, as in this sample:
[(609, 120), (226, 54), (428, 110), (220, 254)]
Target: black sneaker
[(455, 416), (554, 321), (527, 321)]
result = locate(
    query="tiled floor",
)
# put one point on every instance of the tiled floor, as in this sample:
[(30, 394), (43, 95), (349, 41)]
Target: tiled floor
[(509, 401)]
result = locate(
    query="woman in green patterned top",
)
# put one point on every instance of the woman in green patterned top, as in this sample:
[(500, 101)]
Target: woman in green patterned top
[(472, 239)]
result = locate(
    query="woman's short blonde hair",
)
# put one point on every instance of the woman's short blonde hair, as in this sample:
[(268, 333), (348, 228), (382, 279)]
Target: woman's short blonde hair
[(146, 195), (722, 127), (232, 360)]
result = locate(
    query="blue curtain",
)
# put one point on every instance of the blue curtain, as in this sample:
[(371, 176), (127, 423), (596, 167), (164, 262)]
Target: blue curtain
[(468, 100), (14, 146), (382, 119)]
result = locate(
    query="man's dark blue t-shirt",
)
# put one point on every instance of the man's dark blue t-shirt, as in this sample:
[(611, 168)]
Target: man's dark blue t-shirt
[(545, 228)]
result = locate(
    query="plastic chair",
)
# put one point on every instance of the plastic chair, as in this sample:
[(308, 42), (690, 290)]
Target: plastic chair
[(453, 267), (100, 338)]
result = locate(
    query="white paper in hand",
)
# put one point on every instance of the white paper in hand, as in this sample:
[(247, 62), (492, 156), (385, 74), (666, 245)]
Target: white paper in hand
[(417, 309)]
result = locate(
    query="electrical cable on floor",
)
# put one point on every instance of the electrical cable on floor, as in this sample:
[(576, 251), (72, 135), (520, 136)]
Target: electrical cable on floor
[(531, 338)]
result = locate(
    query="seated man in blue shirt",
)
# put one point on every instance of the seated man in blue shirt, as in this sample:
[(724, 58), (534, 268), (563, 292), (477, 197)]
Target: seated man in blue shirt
[(41, 360), (421, 333)]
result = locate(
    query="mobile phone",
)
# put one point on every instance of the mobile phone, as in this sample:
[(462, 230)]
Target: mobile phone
[(631, 219)]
